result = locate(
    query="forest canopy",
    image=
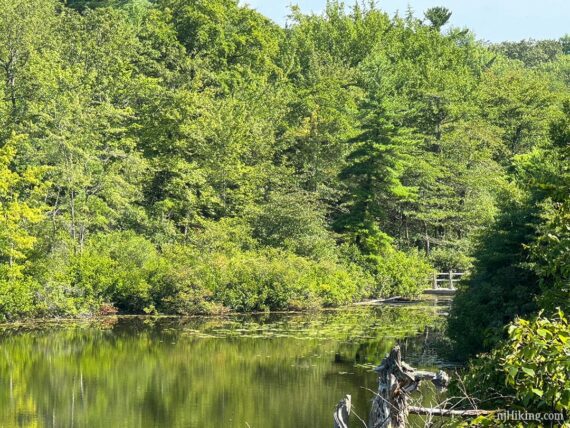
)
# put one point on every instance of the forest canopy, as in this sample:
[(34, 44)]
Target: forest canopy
[(191, 156)]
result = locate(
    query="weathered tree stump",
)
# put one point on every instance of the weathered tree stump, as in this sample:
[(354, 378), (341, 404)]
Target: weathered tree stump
[(342, 412), (396, 382)]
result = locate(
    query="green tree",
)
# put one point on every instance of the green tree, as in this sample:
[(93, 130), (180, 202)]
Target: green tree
[(521, 259), (531, 53), (551, 250), (438, 16), (26, 35), (373, 178), (20, 208)]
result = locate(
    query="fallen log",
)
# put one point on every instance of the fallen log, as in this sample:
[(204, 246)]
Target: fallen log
[(395, 299), (434, 411)]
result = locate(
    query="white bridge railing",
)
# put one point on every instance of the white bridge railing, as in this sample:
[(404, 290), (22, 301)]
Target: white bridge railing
[(446, 280)]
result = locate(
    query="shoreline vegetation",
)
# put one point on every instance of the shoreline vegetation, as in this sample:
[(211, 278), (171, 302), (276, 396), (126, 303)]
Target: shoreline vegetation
[(371, 303), (367, 304), (186, 157)]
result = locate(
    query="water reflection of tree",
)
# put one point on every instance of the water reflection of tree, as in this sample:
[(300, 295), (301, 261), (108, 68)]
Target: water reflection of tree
[(195, 371)]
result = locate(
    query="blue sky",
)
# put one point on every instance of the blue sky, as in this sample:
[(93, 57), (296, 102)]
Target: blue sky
[(493, 20)]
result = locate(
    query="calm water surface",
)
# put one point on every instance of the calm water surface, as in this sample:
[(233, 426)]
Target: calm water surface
[(238, 371)]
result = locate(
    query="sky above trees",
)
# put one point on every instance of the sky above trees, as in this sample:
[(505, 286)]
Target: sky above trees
[(493, 20)]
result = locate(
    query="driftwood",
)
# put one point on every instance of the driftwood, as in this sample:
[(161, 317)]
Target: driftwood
[(342, 412), (395, 299), (448, 412), (390, 408)]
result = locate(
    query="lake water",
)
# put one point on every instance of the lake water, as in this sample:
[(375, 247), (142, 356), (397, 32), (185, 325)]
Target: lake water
[(263, 371)]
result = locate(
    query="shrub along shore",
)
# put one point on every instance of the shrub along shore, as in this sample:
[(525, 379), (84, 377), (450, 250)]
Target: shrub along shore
[(125, 272)]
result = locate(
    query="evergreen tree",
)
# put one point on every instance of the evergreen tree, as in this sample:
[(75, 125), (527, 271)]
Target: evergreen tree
[(438, 16), (373, 178)]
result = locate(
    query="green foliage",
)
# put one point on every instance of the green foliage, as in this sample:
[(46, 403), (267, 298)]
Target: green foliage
[(218, 274), (522, 261), (399, 273), (438, 16), (551, 255), (190, 156), (501, 283), (184, 289), (265, 280), (228, 271), (530, 52), (518, 100), (530, 371), (448, 259), (121, 268), (17, 299), (291, 221), (550, 251), (19, 205), (373, 177), (230, 39)]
